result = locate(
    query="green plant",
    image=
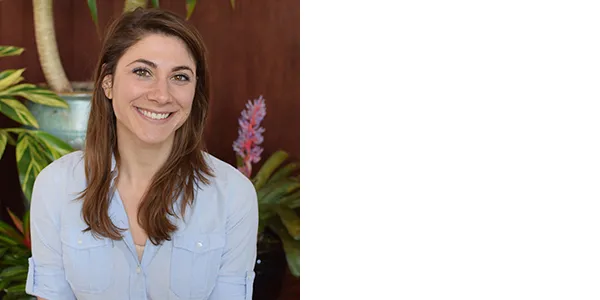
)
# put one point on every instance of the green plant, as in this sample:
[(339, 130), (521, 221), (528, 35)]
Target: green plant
[(45, 37), (277, 189), (35, 149), (15, 249), (279, 204)]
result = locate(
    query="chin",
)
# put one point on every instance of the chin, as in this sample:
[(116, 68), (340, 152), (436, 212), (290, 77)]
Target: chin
[(154, 139)]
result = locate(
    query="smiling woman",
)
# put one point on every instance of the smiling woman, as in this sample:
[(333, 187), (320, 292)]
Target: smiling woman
[(144, 212)]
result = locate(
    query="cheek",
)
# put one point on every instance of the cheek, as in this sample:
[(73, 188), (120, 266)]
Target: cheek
[(186, 98)]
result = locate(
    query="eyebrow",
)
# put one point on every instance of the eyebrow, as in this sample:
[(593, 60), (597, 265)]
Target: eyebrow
[(154, 66)]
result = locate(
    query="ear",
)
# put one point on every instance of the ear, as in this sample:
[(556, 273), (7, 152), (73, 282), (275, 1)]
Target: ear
[(107, 86)]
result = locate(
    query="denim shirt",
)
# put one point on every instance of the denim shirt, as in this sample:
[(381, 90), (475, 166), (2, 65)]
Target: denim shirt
[(210, 256)]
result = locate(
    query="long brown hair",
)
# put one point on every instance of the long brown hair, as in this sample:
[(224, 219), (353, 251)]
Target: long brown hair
[(185, 166)]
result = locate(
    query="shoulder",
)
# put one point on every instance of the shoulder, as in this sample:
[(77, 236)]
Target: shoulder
[(62, 173), (63, 168), (227, 176), (231, 183)]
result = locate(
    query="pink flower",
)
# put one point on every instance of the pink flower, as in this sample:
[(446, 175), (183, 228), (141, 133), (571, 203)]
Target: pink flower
[(250, 135)]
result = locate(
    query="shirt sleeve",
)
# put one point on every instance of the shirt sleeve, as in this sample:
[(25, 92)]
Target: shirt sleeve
[(236, 273), (46, 276)]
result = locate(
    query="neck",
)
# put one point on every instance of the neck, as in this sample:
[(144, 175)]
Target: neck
[(139, 161)]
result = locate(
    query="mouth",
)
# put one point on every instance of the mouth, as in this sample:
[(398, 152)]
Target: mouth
[(153, 115)]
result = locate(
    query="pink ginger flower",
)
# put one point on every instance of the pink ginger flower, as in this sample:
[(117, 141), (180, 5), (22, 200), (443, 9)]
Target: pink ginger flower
[(250, 135)]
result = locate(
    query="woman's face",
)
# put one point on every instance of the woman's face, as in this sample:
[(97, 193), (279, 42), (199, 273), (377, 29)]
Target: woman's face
[(152, 89)]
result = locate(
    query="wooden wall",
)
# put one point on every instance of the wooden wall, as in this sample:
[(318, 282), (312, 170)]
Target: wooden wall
[(254, 50)]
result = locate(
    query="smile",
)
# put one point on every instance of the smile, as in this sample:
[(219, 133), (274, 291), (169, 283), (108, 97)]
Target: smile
[(154, 115)]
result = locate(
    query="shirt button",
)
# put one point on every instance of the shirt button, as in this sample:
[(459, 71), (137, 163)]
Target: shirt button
[(138, 270), (199, 244), (79, 242)]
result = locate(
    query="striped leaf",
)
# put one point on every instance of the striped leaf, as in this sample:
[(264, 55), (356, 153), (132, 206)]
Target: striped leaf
[(10, 77), (53, 145), (35, 94), (190, 5), (3, 141), (155, 3), (15, 110), (30, 161), (10, 51)]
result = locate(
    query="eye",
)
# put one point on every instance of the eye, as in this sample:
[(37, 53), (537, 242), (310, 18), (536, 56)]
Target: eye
[(141, 72), (181, 77)]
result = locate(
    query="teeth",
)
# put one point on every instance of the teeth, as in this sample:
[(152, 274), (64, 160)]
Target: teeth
[(154, 116)]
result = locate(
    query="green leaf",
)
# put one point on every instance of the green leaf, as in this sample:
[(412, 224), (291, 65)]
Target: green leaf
[(27, 234), (291, 200), (272, 193), (284, 172), (16, 259), (55, 146), (2, 285), (10, 232), (155, 3), (274, 161), (94, 13), (15, 110), (35, 94), (30, 162), (189, 8), (16, 288), (10, 77), (290, 246), (7, 241), (3, 140), (12, 271), (10, 51), (290, 220)]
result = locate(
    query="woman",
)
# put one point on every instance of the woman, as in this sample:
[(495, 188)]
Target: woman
[(143, 212)]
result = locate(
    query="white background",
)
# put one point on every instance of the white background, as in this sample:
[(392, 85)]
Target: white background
[(450, 149)]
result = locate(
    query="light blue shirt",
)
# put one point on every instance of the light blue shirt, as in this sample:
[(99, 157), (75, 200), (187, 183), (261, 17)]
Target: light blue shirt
[(210, 256)]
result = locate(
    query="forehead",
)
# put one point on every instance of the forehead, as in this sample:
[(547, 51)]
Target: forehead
[(163, 50)]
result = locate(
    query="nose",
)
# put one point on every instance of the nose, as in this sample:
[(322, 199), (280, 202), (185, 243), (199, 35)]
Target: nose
[(160, 92)]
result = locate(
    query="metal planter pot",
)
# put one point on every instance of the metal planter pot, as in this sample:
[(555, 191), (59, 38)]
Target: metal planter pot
[(70, 124)]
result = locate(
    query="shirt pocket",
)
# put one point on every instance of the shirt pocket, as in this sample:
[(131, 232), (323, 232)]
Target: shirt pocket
[(195, 262), (87, 261)]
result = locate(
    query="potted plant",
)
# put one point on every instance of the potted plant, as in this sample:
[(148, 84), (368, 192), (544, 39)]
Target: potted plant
[(69, 123), (35, 149), (278, 192)]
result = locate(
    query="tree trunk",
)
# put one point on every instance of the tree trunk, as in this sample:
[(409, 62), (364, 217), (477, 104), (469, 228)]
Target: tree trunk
[(45, 39)]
